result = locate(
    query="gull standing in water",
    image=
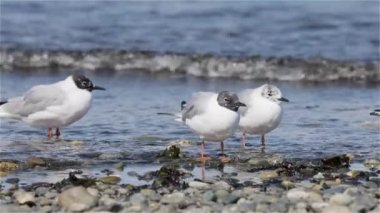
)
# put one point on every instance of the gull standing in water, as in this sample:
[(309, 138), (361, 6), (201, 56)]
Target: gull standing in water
[(213, 116), (263, 112), (53, 105)]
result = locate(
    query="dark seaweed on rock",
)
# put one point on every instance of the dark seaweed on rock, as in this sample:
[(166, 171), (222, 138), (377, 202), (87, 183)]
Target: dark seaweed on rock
[(209, 66)]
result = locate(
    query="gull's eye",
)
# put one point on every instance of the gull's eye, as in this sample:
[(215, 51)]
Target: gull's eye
[(84, 84), (226, 99)]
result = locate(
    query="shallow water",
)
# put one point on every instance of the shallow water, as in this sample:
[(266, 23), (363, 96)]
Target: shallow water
[(123, 125)]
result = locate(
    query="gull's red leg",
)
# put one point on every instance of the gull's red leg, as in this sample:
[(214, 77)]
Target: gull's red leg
[(203, 158), (50, 133)]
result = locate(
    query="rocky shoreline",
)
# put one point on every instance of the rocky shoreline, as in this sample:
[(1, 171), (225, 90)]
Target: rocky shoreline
[(260, 183)]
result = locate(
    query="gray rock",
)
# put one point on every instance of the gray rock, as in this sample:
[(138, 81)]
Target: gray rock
[(231, 198), (41, 191), (297, 194), (262, 207), (208, 196), (43, 201), (333, 208), (221, 194), (318, 176), (107, 201), (199, 185), (76, 199), (341, 199), (277, 207), (51, 194), (23, 197), (93, 191), (174, 198), (137, 199), (363, 203), (244, 205), (319, 206), (221, 185)]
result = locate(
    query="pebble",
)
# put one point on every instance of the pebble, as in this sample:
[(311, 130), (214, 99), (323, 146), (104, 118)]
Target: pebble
[(110, 179), (340, 199), (268, 175), (199, 185), (76, 199), (23, 197), (333, 208), (174, 198), (208, 196), (296, 195), (221, 185)]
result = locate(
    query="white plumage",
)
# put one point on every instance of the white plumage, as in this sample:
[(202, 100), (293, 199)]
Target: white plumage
[(263, 112), (52, 106)]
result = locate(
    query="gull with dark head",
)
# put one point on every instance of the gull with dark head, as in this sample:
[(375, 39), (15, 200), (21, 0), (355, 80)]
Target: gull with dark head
[(263, 112), (213, 116), (53, 105)]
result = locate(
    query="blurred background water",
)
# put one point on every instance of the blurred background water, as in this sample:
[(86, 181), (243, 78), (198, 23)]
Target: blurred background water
[(322, 119), (332, 29)]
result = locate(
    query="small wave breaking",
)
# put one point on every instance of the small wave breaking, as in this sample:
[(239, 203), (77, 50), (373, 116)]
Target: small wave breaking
[(208, 66)]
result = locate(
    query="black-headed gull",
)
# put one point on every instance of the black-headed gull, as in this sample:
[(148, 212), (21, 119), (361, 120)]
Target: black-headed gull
[(263, 112), (53, 105), (213, 116)]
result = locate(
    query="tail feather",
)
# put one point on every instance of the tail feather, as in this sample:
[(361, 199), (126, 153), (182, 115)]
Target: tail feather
[(3, 102)]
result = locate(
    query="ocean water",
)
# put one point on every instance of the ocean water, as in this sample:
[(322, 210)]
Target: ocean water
[(331, 29), (321, 119), (323, 55)]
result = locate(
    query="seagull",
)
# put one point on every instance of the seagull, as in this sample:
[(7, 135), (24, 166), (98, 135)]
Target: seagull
[(213, 116), (263, 112), (53, 105), (375, 112)]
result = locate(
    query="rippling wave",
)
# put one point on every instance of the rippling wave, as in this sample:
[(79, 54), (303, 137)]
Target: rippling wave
[(202, 65)]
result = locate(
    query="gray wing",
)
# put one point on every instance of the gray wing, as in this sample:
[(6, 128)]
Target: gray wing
[(196, 105), (244, 97), (38, 98)]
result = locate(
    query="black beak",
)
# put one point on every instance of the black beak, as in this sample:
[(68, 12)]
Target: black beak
[(98, 88), (376, 113), (283, 99), (240, 104)]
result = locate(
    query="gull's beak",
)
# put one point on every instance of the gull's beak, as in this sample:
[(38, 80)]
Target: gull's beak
[(375, 113), (240, 104), (98, 88), (283, 99)]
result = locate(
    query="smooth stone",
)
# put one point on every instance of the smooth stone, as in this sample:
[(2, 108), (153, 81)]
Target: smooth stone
[(137, 199), (333, 208), (199, 185), (296, 195), (221, 194), (122, 191), (76, 199), (51, 194), (110, 191), (319, 206), (93, 191), (107, 201), (221, 185), (46, 209), (174, 198), (43, 201), (268, 174), (35, 161), (40, 191), (23, 197), (112, 180), (262, 207), (277, 207), (363, 203), (244, 205), (287, 184), (231, 198), (150, 194), (208, 196), (340, 199), (319, 176)]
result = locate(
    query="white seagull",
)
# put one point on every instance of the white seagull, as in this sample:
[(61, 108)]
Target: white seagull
[(263, 112), (53, 105), (213, 116)]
